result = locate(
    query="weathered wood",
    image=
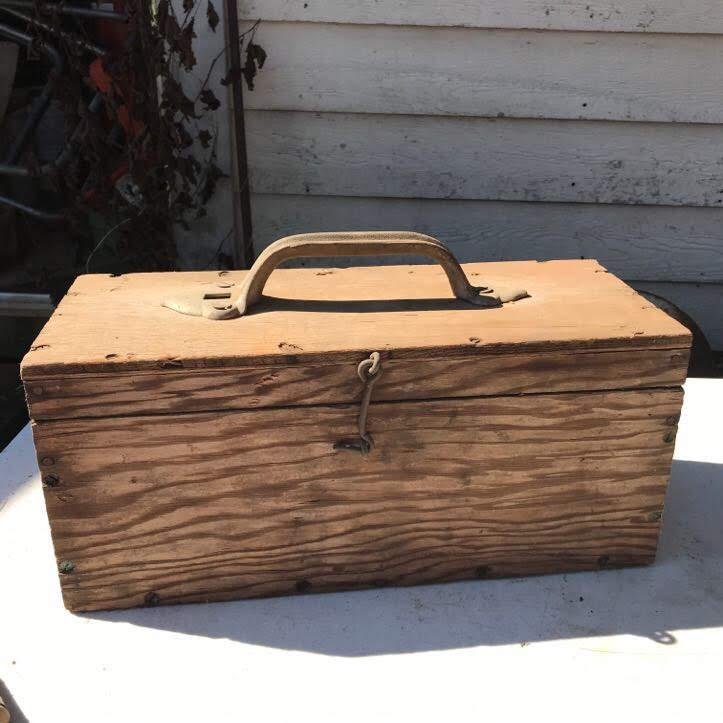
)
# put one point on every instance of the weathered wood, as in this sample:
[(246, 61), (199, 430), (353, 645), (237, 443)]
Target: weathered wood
[(702, 302), (636, 16), (240, 504), (657, 243), (111, 324), (475, 158), (478, 72), (260, 387)]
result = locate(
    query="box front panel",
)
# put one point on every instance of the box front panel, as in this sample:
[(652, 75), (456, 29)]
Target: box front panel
[(213, 506)]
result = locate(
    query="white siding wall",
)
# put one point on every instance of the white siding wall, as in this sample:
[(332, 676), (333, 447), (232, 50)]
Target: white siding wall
[(515, 129)]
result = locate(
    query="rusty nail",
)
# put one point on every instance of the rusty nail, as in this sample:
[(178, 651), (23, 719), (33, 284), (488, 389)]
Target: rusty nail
[(152, 598), (51, 480), (655, 516), (66, 567)]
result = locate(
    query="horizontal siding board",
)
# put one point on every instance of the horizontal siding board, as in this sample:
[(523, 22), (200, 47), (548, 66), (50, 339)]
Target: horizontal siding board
[(636, 16), (476, 72), (658, 243), (488, 159)]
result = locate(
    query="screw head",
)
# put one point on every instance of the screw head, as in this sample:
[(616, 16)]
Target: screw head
[(38, 391), (47, 461), (66, 567)]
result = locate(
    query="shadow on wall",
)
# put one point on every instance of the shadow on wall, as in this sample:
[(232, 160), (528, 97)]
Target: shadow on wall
[(681, 591)]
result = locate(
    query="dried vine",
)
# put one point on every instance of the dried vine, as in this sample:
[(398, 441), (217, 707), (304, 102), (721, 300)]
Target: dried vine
[(146, 160)]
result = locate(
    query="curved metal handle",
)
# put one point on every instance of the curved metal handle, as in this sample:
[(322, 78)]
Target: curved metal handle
[(238, 302), (376, 243)]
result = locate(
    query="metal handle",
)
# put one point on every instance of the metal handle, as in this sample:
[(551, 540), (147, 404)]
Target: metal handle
[(237, 302)]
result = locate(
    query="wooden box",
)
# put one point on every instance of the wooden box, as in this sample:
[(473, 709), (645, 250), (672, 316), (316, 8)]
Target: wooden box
[(193, 458)]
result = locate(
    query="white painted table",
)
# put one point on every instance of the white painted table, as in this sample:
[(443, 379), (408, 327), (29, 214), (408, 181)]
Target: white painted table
[(632, 645)]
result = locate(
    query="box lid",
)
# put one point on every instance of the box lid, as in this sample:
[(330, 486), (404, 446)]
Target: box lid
[(111, 335)]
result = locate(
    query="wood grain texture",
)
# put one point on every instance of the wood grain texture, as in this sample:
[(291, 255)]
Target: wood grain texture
[(657, 243), (111, 324), (702, 302), (508, 159), (636, 16), (478, 72), (195, 507), (260, 387)]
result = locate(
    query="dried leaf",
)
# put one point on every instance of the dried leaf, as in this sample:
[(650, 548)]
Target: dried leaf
[(175, 100), (186, 46), (259, 54), (249, 71), (212, 16), (180, 40), (255, 58), (208, 98)]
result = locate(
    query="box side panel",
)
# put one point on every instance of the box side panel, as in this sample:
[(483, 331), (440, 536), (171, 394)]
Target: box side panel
[(181, 508), (182, 391)]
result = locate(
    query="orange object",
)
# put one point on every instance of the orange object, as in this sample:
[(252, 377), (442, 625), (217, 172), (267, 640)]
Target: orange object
[(107, 85)]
